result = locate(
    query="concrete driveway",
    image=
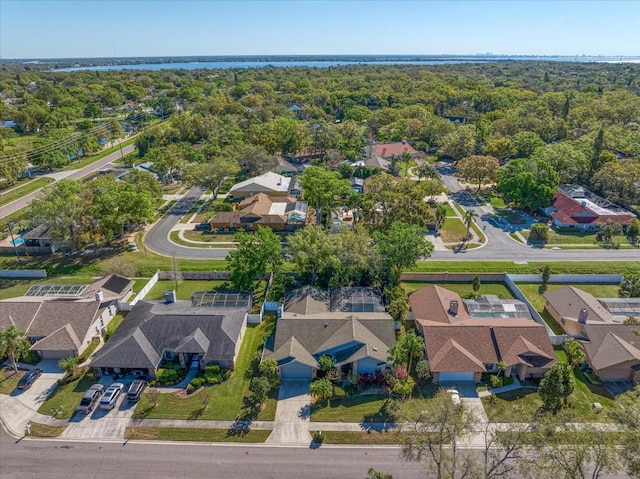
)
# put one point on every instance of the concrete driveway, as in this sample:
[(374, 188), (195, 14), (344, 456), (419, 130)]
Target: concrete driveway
[(42, 387), (291, 425), (102, 423)]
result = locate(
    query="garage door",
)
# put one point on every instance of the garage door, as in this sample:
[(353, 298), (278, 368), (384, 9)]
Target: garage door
[(456, 376), (56, 354), (295, 371)]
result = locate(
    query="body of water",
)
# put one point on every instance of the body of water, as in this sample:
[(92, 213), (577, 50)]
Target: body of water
[(226, 64)]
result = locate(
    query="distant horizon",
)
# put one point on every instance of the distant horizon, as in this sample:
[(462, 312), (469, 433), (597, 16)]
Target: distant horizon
[(318, 55), (70, 29)]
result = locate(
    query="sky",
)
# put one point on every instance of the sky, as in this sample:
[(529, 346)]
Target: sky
[(129, 28)]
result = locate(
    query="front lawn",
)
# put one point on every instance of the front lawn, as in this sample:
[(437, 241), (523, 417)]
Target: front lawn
[(195, 434), (68, 396), (9, 379), (208, 237), (567, 236), (453, 230), (359, 408), (529, 267), (230, 400), (520, 405), (511, 216)]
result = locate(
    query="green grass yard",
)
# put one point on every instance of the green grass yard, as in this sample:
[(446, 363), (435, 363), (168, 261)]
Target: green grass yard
[(462, 289), (359, 408), (570, 237), (9, 379), (68, 396), (195, 434), (520, 405), (11, 288), (228, 401), (361, 437), (453, 230), (28, 187), (186, 288)]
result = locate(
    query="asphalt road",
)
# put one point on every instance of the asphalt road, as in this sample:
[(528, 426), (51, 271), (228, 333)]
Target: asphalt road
[(157, 238), (20, 203), (501, 247), (68, 460)]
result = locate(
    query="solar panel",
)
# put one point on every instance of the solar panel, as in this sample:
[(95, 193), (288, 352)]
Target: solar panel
[(60, 290)]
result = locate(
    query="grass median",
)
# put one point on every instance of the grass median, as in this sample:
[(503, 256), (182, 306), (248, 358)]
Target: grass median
[(20, 191), (195, 434)]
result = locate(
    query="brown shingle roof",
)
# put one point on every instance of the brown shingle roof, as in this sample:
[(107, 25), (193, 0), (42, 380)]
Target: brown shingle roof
[(568, 301), (521, 344), (432, 304), (18, 314), (459, 348), (612, 344)]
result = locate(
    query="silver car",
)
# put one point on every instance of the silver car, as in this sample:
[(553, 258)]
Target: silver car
[(111, 396), (90, 398)]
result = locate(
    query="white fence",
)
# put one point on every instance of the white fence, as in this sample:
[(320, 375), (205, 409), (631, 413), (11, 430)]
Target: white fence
[(124, 306)]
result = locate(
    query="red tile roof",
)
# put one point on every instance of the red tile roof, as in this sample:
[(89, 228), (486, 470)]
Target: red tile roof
[(571, 212), (386, 150)]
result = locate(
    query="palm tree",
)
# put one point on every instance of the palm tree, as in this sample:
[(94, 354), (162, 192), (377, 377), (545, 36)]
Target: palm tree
[(69, 365), (468, 217), (14, 344), (414, 346), (321, 389), (502, 366), (426, 170)]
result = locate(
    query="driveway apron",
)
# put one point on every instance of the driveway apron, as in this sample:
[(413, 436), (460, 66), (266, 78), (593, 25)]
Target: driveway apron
[(291, 425)]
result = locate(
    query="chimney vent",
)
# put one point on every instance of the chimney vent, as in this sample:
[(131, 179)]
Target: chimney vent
[(99, 296), (582, 317), (170, 296), (453, 307)]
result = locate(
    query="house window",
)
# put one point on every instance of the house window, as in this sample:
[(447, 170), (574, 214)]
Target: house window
[(168, 355), (489, 366)]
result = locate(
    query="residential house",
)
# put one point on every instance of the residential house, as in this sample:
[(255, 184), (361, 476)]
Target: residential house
[(396, 149), (463, 340), (37, 241), (269, 183), (357, 184), (285, 168), (576, 207), (280, 213), (207, 329), (61, 320), (296, 108), (613, 351), (612, 348), (348, 324)]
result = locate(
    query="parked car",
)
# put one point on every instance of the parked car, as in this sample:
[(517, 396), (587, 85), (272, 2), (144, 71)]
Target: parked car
[(455, 396), (90, 398), (202, 227), (111, 395), (135, 390), (27, 380)]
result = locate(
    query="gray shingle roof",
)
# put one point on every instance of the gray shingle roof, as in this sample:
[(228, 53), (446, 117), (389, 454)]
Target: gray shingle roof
[(612, 344), (152, 327), (62, 339), (304, 338), (18, 314)]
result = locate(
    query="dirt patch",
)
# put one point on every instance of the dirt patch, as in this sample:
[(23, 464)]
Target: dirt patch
[(9, 373), (181, 394)]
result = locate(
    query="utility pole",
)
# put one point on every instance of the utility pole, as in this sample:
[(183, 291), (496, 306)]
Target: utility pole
[(13, 241)]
